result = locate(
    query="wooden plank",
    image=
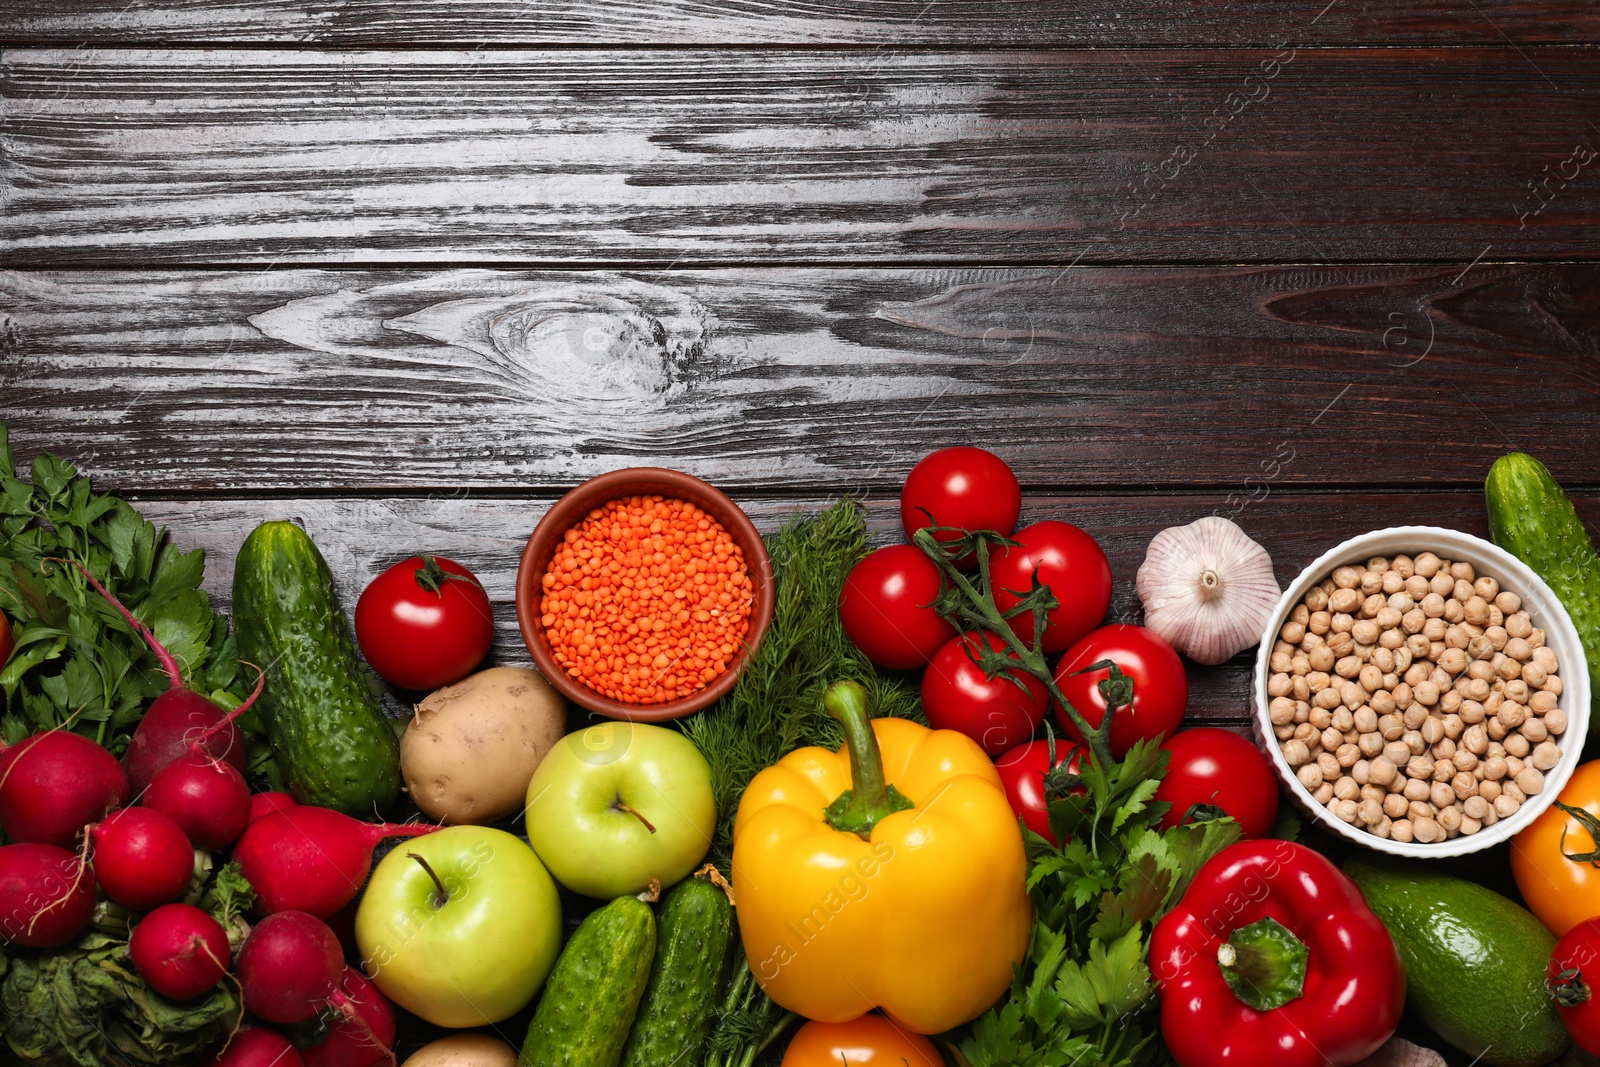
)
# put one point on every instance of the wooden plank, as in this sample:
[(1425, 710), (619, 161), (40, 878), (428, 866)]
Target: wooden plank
[(360, 537), (899, 23), (802, 380), (694, 157)]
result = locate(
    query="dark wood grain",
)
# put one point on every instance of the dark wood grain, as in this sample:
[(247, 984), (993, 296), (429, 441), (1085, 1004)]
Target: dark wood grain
[(801, 380), (694, 157), (360, 537), (886, 22)]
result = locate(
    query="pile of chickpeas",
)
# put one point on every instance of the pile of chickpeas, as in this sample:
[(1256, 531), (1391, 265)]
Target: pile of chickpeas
[(1415, 699)]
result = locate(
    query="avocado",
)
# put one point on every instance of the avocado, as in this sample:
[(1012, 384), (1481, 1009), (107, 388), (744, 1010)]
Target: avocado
[(1475, 961)]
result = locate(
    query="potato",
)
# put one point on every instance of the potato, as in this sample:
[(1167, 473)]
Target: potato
[(464, 1050), (471, 748)]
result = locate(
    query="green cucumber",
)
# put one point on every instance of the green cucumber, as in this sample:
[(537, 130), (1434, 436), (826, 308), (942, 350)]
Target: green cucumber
[(1475, 961), (696, 925), (593, 993), (1530, 517), (330, 737)]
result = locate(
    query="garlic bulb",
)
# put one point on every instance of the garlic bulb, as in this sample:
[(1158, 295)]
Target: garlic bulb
[(1207, 588)]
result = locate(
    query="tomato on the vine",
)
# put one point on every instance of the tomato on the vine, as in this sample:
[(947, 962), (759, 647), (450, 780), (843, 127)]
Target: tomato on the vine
[(424, 623), (1218, 767), (870, 1041), (964, 488), (998, 713), (1022, 772), (1160, 685), (886, 606), (1574, 970), (1070, 563)]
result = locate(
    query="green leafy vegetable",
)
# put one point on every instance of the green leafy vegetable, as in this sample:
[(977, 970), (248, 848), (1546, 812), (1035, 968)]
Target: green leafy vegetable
[(775, 708), (77, 664), (1084, 995)]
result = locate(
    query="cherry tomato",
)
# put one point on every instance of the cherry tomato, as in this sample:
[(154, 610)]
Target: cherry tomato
[(886, 608), (1160, 686), (1214, 766), (966, 488), (1572, 977), (995, 712), (5, 640), (1070, 563), (871, 1039), (1022, 772), (424, 623)]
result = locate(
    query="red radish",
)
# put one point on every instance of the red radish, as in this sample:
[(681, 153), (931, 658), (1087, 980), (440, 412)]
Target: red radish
[(312, 859), (55, 783), (264, 804), (177, 719), (46, 895), (256, 1046), (180, 951), (142, 859), (363, 1040), (205, 796), (289, 969)]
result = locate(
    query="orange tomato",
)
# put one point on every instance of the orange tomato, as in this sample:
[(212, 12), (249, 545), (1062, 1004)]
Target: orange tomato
[(871, 1039), (1562, 892)]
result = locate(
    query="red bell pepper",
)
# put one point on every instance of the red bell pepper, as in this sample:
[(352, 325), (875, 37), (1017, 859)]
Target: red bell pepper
[(1272, 959)]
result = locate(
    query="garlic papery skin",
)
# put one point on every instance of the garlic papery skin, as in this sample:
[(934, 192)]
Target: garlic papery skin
[(1207, 588)]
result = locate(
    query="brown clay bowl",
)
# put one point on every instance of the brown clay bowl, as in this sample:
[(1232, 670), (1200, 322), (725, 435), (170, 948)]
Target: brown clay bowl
[(568, 512)]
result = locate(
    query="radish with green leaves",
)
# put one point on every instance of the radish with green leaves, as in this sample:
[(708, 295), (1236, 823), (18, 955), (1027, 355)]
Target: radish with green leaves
[(142, 858), (46, 895), (179, 719), (312, 859), (206, 796), (362, 1041), (180, 951)]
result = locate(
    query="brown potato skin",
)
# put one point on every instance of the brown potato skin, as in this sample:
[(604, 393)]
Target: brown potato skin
[(471, 748), (464, 1050)]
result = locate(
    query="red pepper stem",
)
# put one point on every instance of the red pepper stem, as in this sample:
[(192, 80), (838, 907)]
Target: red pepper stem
[(1264, 964), (869, 797)]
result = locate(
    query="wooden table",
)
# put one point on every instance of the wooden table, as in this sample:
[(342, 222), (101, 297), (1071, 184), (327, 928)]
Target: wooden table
[(407, 269)]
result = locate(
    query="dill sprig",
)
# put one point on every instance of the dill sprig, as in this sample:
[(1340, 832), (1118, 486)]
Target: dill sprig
[(776, 706)]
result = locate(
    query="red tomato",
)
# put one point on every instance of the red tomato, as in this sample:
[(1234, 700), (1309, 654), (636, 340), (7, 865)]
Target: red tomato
[(1574, 970), (1160, 686), (967, 488), (994, 712), (1215, 766), (870, 1040), (424, 623), (885, 606), (1022, 772), (1070, 563), (5, 640)]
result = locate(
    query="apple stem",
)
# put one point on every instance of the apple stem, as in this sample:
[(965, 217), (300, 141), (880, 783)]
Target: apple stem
[(440, 898), (623, 807)]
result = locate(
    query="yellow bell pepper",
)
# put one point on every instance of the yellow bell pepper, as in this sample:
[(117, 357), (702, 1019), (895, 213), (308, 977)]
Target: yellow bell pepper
[(889, 874)]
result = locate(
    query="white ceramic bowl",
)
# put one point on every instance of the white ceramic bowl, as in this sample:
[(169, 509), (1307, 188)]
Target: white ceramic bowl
[(1542, 606)]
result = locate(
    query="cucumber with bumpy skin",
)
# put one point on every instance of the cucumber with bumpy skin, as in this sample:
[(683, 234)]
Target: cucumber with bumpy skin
[(1530, 517), (331, 738), (593, 993), (695, 927)]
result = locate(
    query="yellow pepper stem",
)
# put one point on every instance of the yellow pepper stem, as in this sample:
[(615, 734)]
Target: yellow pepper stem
[(870, 798)]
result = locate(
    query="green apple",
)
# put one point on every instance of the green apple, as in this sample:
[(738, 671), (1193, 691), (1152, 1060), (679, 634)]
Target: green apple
[(614, 806), (460, 926)]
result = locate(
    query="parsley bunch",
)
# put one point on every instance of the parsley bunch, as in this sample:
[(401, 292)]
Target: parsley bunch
[(1084, 996), (76, 663)]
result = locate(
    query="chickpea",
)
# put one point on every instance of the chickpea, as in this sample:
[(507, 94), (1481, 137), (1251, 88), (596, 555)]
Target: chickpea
[(1373, 792), (1381, 770), (1463, 785), (1470, 825), (1494, 768), (1489, 791), (1441, 585), (1295, 753), (1346, 577), (1413, 741), (1555, 720), (1449, 818), (1519, 625), (1426, 693), (1441, 794), (1534, 730), (1371, 678), (1432, 730), (1292, 632), (1365, 719), (1454, 726), (1417, 790), (1283, 733), (1505, 806), (1536, 638), (1497, 637), (1370, 812), (1329, 764), (1453, 662), (1426, 831), (1400, 830), (1543, 702), (1370, 744), (1321, 659), (1453, 611), (1347, 755), (1464, 760), (1316, 599), (1487, 587), (1544, 757), (1546, 658), (1416, 587), (1513, 790), (1323, 793), (1309, 775), (1395, 805), (1433, 606), (1477, 612)]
